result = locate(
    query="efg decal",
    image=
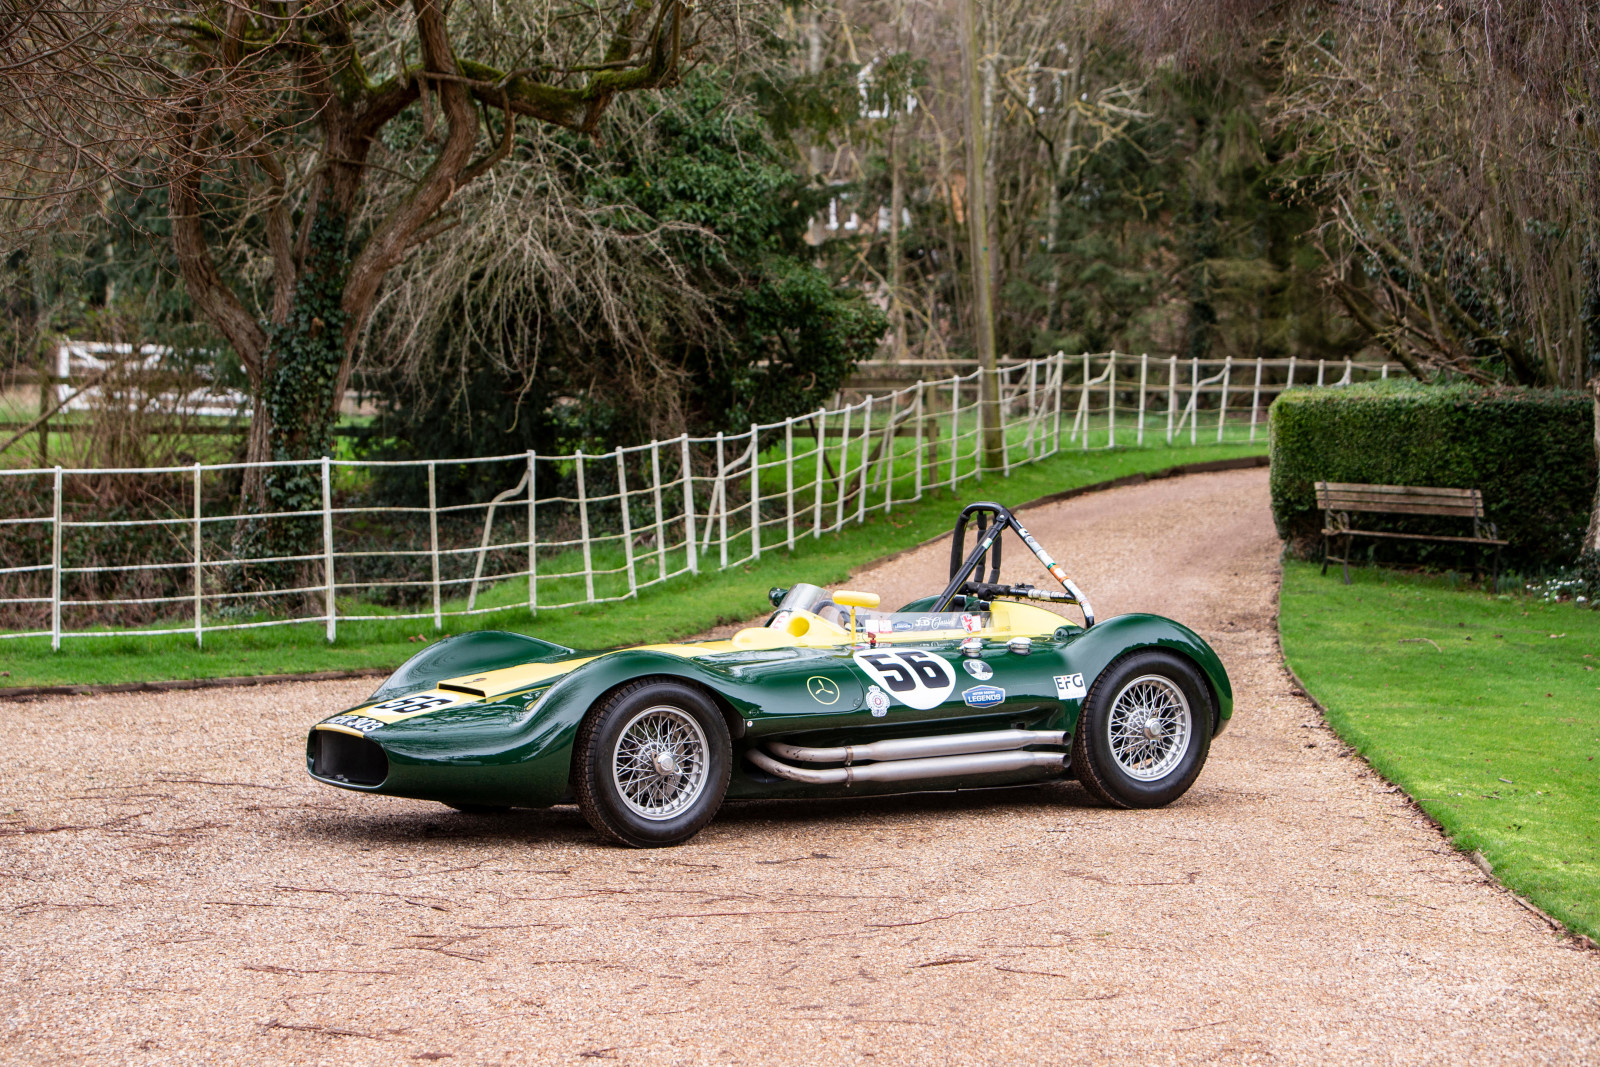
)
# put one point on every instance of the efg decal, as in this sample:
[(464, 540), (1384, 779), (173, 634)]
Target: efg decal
[(984, 696), (978, 669), (1070, 687), (878, 701)]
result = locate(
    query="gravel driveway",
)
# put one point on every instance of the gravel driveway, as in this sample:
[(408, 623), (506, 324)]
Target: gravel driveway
[(174, 890)]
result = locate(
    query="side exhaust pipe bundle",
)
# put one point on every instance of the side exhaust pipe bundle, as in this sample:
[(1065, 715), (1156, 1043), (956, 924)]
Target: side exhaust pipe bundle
[(909, 759)]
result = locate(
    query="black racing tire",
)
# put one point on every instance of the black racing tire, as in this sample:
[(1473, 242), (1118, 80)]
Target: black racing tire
[(479, 809), (1122, 762), (624, 788)]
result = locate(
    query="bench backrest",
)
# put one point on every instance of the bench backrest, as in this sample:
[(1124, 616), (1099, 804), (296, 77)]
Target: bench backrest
[(1400, 499)]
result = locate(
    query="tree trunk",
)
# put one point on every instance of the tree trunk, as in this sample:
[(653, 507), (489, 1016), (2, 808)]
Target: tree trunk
[(897, 201), (978, 237), (1590, 268), (296, 404), (1067, 96), (1591, 540)]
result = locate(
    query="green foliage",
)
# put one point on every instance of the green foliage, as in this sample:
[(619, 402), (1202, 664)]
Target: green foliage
[(1530, 451), (1482, 708), (1174, 236), (110, 277)]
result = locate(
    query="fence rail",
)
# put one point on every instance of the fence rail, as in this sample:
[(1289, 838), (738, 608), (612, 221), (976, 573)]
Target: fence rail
[(583, 528)]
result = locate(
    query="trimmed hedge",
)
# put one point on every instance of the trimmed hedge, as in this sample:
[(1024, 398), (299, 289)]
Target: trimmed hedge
[(1531, 451)]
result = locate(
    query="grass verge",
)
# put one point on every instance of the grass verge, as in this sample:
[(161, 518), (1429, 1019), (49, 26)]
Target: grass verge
[(1485, 709), (676, 609)]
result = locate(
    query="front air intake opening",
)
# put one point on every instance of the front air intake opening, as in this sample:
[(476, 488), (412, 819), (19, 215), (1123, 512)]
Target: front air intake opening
[(341, 757)]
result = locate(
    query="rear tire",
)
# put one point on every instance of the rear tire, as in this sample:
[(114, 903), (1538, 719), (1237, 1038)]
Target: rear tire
[(1145, 731), (650, 764)]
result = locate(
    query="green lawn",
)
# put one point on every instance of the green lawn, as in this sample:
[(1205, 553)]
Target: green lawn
[(680, 607), (1484, 709)]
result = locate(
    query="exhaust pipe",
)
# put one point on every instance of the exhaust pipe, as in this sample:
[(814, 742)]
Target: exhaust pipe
[(907, 770), (921, 747)]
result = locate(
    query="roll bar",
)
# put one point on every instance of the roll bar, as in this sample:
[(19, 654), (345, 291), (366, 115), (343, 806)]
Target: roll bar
[(991, 520)]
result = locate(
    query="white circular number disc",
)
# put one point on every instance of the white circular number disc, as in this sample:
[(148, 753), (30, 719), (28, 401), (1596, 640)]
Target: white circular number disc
[(911, 676)]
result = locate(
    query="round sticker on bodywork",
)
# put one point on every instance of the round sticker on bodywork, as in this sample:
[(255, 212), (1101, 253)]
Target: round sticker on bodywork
[(912, 676)]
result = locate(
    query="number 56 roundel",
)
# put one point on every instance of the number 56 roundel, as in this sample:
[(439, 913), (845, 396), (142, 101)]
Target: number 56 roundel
[(915, 678)]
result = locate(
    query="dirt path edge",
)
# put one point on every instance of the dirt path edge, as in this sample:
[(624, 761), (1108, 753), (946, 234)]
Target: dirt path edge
[(1581, 942)]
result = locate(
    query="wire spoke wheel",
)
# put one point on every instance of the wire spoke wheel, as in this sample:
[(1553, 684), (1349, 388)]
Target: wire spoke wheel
[(660, 761), (1150, 727)]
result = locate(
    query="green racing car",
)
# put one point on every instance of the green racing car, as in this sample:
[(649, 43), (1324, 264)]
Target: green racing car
[(973, 686)]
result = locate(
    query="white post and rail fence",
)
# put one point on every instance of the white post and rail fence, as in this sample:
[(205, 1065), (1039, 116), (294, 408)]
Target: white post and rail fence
[(576, 528)]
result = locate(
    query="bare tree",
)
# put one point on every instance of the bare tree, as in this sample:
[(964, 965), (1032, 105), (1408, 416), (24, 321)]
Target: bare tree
[(72, 106), (382, 109)]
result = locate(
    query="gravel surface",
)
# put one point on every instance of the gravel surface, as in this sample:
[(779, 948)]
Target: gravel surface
[(174, 889)]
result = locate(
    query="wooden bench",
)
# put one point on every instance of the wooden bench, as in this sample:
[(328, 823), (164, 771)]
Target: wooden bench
[(1338, 499)]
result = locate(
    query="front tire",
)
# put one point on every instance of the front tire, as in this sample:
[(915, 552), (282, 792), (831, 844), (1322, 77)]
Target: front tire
[(1145, 731), (650, 764)]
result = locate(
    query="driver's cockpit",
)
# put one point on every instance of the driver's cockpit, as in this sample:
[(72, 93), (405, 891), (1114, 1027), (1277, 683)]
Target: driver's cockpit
[(803, 603), (972, 604)]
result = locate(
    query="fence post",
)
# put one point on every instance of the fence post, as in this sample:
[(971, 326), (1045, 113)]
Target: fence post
[(1001, 408), (583, 530), (1194, 401), (886, 461), (866, 442), (1290, 383), (920, 416), (661, 522), (844, 468), (55, 569), (755, 491), (1172, 394), (1322, 365), (1111, 399), (433, 540), (1033, 407), (1385, 374), (627, 522), (980, 410), (1222, 408), (1144, 377), (1059, 394), (1255, 400), (720, 494), (327, 544), (1083, 401), (198, 624), (688, 510), (788, 479), (821, 426), (955, 430)]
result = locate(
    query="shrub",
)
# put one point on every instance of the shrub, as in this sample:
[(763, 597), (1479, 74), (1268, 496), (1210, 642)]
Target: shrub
[(1531, 451)]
